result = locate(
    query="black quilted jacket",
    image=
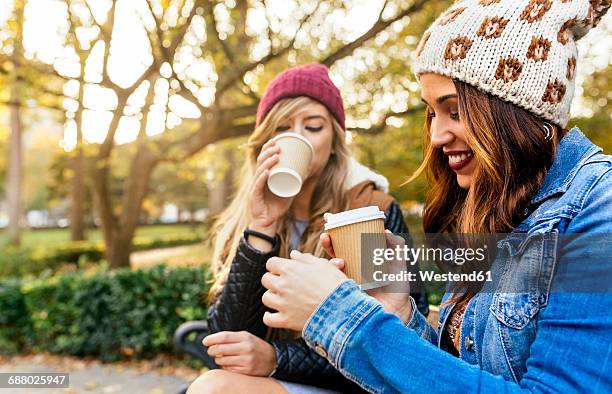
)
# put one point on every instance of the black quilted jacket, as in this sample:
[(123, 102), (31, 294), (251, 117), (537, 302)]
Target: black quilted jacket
[(239, 308)]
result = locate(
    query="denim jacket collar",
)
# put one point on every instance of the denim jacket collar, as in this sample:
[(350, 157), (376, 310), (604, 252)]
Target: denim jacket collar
[(573, 149)]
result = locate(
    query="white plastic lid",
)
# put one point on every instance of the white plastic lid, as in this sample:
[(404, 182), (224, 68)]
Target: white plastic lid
[(353, 216), (286, 134)]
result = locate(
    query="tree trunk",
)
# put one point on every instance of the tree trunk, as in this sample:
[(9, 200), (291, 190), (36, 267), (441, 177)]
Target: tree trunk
[(77, 194), (136, 188), (221, 190), (102, 200), (14, 170), (15, 159)]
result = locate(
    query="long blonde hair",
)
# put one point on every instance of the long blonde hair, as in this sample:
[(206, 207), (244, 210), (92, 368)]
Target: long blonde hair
[(329, 195)]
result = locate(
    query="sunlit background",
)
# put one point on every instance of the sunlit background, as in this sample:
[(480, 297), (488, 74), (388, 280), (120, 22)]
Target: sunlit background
[(46, 24)]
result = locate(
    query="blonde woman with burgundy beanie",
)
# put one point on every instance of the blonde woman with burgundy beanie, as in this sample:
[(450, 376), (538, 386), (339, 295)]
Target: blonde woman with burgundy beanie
[(258, 225)]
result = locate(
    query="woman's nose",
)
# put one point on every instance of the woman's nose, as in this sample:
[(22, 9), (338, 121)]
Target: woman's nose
[(298, 128), (441, 136)]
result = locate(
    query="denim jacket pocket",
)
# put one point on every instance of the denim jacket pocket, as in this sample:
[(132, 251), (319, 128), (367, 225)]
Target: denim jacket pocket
[(515, 310), (526, 274), (516, 329), (527, 263)]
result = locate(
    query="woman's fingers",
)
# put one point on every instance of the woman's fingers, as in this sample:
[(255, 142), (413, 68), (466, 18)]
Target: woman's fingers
[(268, 144), (266, 165), (222, 337), (339, 263), (230, 361), (326, 244), (272, 300), (394, 240), (271, 282), (266, 153), (261, 176), (260, 184), (228, 349), (274, 320)]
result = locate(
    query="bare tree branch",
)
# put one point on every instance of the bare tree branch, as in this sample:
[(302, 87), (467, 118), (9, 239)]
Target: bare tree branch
[(240, 112), (108, 144), (239, 130), (146, 109), (252, 94), (180, 33), (145, 75), (268, 25), (102, 27), (24, 106), (106, 31), (168, 56), (45, 90), (382, 10), (240, 71), (227, 51), (382, 125), (170, 51), (208, 133), (379, 25)]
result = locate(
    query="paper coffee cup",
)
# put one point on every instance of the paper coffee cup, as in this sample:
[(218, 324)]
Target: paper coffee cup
[(288, 175), (355, 234)]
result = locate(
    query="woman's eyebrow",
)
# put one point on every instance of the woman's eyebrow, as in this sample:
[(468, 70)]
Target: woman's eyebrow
[(314, 117), (441, 99)]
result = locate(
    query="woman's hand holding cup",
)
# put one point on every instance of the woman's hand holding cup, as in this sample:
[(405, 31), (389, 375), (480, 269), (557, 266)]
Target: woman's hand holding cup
[(266, 207), (394, 298)]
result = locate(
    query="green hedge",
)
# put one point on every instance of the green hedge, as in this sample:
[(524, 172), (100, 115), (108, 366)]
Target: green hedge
[(18, 262), (108, 315), (15, 324)]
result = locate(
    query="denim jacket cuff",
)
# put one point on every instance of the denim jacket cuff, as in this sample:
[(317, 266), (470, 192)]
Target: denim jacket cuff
[(330, 326), (419, 324), (412, 320)]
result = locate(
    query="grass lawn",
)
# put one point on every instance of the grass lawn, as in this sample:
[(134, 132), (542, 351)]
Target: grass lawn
[(53, 236), (178, 256)]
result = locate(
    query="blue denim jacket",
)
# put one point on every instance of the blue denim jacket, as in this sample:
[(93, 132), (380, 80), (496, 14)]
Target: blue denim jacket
[(520, 336)]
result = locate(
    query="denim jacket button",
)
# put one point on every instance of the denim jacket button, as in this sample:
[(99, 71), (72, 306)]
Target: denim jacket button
[(320, 351), (468, 343)]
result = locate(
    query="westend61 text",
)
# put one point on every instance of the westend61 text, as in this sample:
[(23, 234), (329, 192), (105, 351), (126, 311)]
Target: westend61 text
[(432, 276)]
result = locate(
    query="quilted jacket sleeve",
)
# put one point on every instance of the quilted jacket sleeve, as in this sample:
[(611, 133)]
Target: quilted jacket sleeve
[(297, 362), (238, 307)]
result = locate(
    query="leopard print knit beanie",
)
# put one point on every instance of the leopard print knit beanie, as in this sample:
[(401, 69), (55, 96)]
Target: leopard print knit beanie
[(522, 51)]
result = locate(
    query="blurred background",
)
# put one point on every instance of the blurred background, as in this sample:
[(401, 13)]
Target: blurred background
[(121, 132)]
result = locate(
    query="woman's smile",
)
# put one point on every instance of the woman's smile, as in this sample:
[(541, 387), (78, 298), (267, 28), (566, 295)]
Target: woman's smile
[(459, 159)]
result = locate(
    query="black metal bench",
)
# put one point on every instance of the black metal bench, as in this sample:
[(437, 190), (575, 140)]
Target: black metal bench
[(188, 339)]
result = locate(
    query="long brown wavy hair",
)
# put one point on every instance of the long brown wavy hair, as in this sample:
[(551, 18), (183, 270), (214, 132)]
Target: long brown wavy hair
[(513, 156)]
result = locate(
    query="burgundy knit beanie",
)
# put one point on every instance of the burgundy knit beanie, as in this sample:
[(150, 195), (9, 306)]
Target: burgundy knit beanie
[(311, 80)]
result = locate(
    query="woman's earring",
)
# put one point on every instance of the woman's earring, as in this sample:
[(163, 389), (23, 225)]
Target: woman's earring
[(548, 129)]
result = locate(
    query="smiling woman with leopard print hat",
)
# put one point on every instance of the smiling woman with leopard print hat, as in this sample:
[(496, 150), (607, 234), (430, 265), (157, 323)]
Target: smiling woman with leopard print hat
[(497, 78)]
